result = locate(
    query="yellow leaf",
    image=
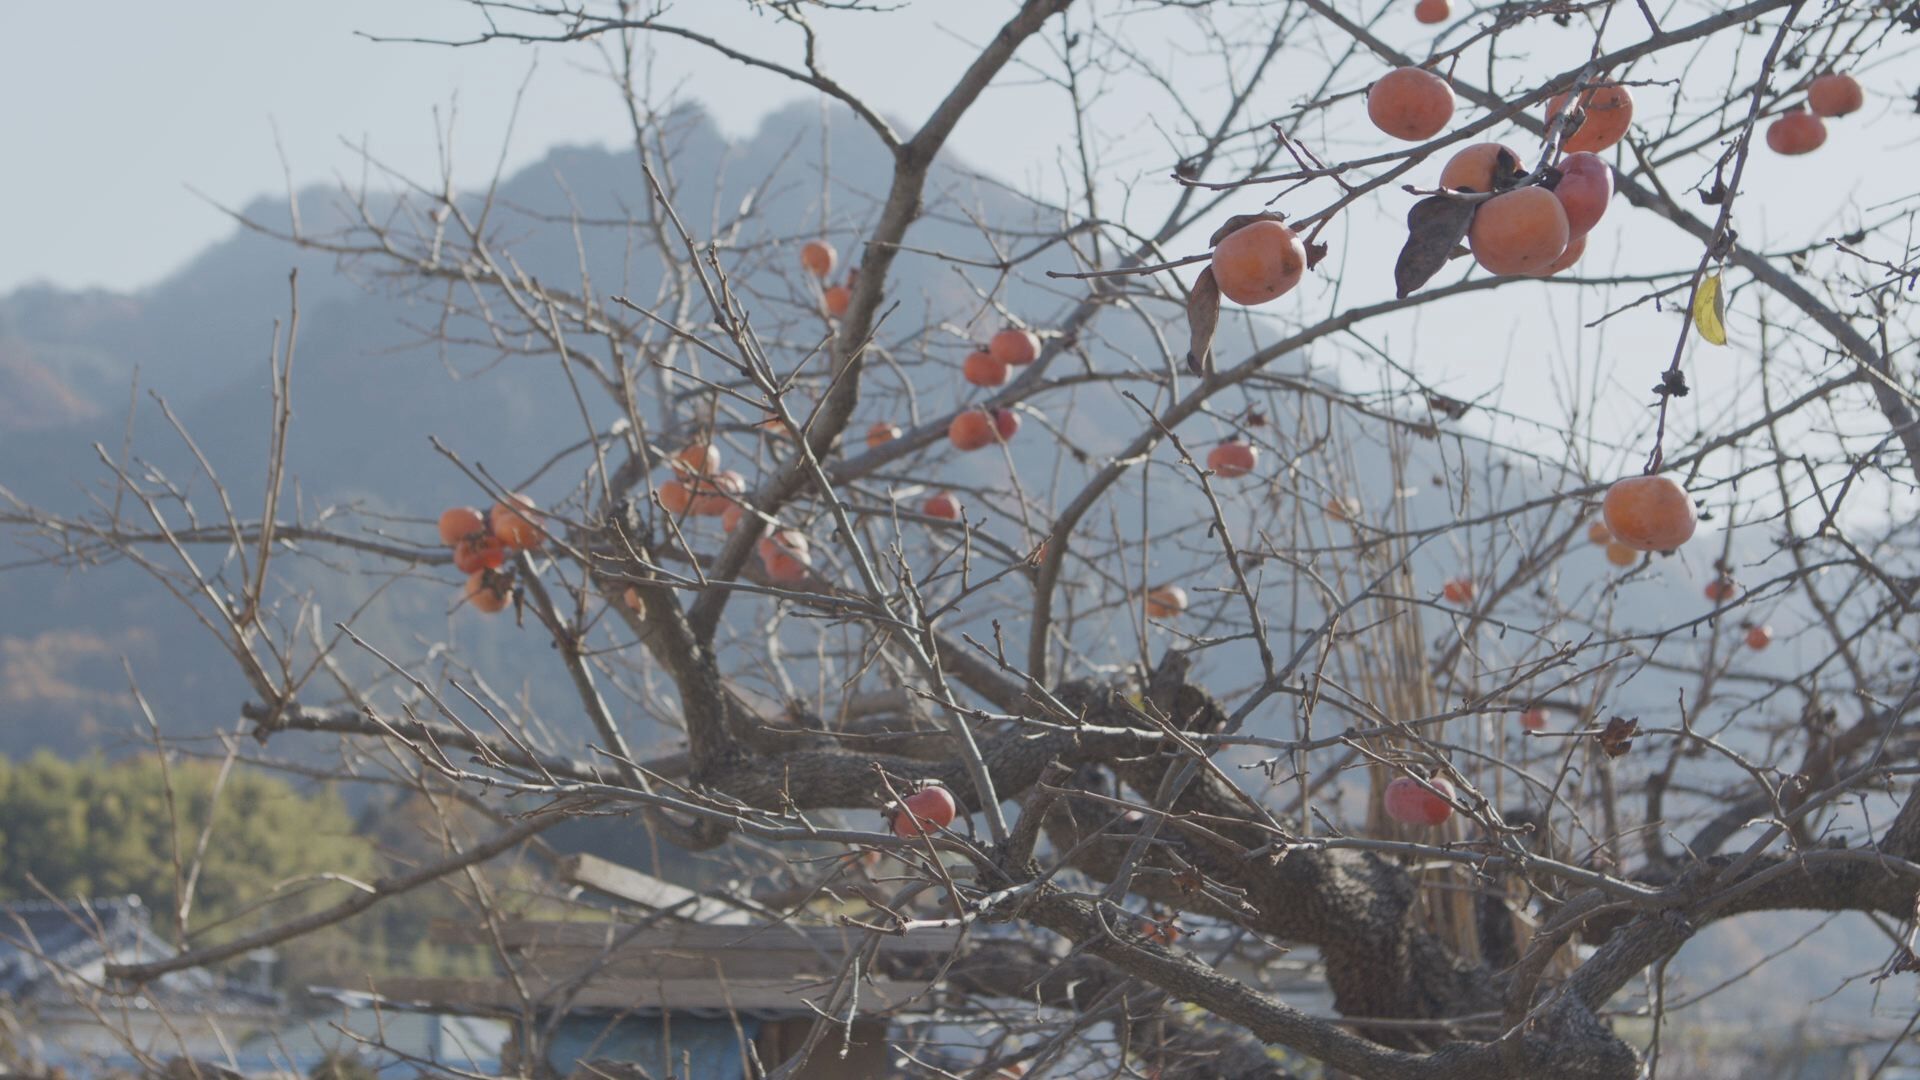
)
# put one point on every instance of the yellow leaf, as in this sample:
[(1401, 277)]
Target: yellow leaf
[(1710, 311)]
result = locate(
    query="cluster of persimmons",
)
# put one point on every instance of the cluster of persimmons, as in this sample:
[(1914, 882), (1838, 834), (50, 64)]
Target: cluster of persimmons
[(482, 542), (1522, 223), (1802, 130)]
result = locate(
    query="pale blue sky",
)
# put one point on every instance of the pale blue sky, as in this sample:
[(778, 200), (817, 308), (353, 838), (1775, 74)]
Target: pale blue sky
[(114, 109)]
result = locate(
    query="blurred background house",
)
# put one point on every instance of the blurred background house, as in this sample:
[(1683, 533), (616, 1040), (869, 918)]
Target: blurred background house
[(52, 963), (55, 1014)]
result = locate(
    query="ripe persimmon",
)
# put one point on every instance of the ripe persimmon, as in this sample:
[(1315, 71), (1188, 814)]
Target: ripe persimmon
[(982, 368), (1598, 533), (786, 568), (460, 523), (818, 257), (1649, 513), (1458, 591), (674, 497), (1534, 719), (785, 556), (516, 522), (930, 809), (1006, 424), (836, 299), (1410, 103), (1160, 931), (1721, 589), (1576, 247), (1609, 111), (792, 541), (486, 591), (1796, 131), (943, 506), (1014, 347), (634, 601), (479, 553), (1258, 262), (1166, 601), (1233, 459), (1432, 11), (1412, 803), (712, 496), (1521, 232), (1621, 555), (1478, 166), (971, 430), (881, 433), (1835, 95), (1586, 186), (1759, 637), (697, 459)]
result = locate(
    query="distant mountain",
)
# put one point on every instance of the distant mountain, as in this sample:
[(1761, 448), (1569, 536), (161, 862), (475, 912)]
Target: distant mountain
[(369, 388), (371, 385), (33, 394)]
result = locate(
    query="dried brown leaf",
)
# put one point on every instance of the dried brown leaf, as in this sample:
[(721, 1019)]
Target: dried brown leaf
[(1435, 226), (1189, 879), (1617, 738), (1203, 316), (1240, 221), (1507, 170)]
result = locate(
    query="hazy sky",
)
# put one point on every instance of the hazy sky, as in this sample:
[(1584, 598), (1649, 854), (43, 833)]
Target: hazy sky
[(106, 131), (116, 108)]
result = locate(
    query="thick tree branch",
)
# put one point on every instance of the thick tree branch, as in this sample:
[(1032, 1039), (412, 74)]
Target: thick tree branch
[(360, 901)]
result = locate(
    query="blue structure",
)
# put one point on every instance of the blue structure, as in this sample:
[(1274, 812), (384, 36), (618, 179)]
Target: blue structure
[(697, 1043)]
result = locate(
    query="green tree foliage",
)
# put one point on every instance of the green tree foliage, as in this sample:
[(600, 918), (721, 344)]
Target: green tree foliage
[(93, 827)]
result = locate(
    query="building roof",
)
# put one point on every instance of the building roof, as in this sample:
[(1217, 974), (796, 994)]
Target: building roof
[(52, 952), (770, 970)]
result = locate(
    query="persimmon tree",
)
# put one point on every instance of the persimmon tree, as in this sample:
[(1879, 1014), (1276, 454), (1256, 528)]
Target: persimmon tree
[(1243, 619)]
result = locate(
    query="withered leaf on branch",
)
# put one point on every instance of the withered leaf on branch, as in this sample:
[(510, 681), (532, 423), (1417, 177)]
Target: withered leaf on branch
[(1617, 738), (1189, 879), (1240, 221), (1435, 226), (1203, 315), (1508, 171)]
